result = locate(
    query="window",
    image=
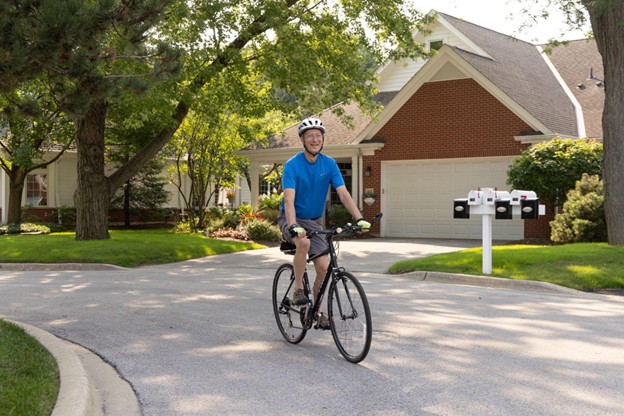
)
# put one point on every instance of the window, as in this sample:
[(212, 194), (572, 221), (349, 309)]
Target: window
[(265, 187), (435, 45), (345, 170), (37, 190)]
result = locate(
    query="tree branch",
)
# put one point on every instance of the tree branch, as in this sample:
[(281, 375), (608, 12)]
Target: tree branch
[(222, 61)]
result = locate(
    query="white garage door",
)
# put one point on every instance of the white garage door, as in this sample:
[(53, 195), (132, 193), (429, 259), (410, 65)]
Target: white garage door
[(418, 195)]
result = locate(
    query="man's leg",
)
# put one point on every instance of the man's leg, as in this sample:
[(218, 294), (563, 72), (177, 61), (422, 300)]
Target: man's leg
[(320, 266), (300, 258)]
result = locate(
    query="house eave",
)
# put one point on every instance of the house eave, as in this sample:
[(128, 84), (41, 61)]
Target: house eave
[(535, 138), (282, 154)]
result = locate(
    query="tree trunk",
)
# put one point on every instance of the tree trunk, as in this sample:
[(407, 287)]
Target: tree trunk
[(16, 190), (126, 205), (608, 30), (92, 197)]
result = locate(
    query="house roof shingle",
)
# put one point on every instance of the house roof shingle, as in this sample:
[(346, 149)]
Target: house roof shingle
[(338, 133), (575, 60), (520, 71)]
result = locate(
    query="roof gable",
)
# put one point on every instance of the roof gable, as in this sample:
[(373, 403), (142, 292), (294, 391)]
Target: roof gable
[(394, 75), (520, 71), (512, 70)]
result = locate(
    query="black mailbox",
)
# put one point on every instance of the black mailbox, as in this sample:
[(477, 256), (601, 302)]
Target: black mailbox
[(529, 209), (503, 209), (461, 209)]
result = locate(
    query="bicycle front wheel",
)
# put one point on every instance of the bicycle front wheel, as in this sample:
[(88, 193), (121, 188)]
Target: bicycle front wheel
[(288, 316), (350, 317)]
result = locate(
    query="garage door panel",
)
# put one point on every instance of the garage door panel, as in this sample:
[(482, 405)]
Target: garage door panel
[(418, 197)]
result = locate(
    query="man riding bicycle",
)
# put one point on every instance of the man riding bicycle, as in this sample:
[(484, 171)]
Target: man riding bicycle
[(305, 181)]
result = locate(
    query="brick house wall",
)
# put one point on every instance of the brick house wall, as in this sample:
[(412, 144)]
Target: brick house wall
[(451, 119)]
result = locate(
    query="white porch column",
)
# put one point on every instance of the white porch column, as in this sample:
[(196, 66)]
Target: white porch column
[(4, 196), (254, 173), (52, 185), (356, 174)]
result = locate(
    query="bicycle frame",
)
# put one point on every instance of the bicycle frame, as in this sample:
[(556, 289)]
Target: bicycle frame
[(314, 305)]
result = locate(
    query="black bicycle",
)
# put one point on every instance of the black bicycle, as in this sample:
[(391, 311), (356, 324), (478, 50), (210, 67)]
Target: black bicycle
[(347, 307)]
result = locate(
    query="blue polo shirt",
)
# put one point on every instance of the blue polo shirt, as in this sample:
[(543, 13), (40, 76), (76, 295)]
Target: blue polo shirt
[(311, 182)]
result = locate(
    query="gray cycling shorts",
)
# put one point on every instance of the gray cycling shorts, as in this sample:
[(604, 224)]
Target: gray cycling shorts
[(318, 243)]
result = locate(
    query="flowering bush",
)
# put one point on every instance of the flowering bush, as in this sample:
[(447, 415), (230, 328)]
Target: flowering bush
[(259, 230), (250, 216)]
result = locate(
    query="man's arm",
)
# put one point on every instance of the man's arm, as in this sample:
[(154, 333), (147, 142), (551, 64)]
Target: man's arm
[(289, 206)]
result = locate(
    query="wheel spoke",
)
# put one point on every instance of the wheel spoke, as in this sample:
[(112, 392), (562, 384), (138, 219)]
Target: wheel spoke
[(352, 330), (286, 316)]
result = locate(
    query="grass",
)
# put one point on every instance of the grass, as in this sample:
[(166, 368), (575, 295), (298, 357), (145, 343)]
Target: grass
[(581, 266), (29, 376), (124, 248)]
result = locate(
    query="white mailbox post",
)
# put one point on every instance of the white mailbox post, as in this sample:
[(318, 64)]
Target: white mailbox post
[(491, 203)]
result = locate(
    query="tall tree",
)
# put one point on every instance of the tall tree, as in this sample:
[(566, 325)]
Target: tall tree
[(33, 134), (145, 191), (607, 22), (300, 45)]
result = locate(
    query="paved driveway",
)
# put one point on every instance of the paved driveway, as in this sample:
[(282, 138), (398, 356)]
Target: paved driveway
[(199, 338)]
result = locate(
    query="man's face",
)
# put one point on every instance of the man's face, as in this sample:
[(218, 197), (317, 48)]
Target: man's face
[(313, 140)]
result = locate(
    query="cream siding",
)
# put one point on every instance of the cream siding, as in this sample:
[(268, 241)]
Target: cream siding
[(395, 75)]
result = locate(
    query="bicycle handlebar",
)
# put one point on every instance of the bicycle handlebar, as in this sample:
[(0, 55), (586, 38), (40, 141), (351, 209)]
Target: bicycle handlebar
[(346, 228)]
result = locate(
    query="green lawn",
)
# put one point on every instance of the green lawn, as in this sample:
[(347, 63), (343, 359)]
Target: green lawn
[(29, 377), (582, 266), (124, 248)]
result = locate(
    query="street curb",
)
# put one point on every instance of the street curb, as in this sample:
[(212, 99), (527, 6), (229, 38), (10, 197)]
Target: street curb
[(74, 397), (489, 281), (89, 386), (58, 266)]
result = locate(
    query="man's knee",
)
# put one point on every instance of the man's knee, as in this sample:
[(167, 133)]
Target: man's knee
[(303, 244)]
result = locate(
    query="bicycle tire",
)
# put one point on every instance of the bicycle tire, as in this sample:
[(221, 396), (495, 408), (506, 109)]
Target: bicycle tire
[(288, 318), (350, 317)]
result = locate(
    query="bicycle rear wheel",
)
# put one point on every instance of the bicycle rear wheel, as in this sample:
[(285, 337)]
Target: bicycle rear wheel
[(287, 316), (350, 317)]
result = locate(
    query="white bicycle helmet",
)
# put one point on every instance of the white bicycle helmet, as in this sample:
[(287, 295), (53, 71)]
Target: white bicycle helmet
[(311, 123)]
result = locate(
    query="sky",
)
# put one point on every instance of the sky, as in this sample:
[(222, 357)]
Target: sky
[(504, 16)]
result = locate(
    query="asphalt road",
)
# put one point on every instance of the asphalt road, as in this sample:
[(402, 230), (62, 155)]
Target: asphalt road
[(199, 338)]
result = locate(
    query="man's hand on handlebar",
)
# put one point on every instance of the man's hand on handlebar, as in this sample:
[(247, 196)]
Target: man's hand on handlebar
[(296, 231), (363, 224)]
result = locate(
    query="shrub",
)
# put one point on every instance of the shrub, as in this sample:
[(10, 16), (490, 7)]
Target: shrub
[(583, 216), (245, 218), (339, 216), (222, 219), (552, 168), (66, 216), (214, 212), (269, 206), (270, 215), (260, 230), (54, 227), (244, 209), (24, 227), (271, 201), (182, 227), (230, 218)]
